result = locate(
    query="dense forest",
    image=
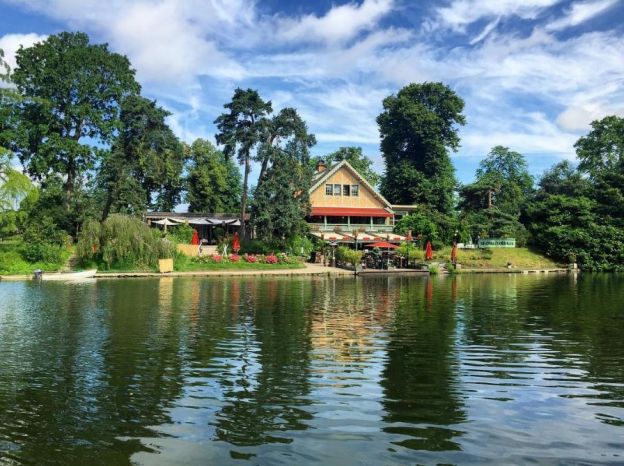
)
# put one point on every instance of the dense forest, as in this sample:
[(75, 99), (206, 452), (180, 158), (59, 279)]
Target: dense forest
[(80, 144)]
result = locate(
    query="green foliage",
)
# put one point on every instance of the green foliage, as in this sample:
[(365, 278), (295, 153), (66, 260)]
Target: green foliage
[(12, 259), (349, 256), (241, 128), (502, 178), (43, 241), (213, 181), (410, 251), (123, 242), (418, 127), (145, 165), (281, 202), (429, 225), (181, 234), (71, 93), (300, 245), (362, 164)]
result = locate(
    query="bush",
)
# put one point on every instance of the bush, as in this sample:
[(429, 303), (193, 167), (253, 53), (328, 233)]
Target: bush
[(348, 256), (182, 234), (234, 258), (42, 252), (43, 241), (271, 259), (256, 246), (250, 258), (123, 241), (300, 246)]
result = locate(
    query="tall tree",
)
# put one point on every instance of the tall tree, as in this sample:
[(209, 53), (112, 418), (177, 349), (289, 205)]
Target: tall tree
[(502, 179), (145, 165), (282, 201), (241, 128), (213, 181), (601, 155), (355, 157), (418, 127), (71, 92)]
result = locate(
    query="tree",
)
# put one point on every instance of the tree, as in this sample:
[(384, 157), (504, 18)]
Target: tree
[(601, 155), (282, 201), (418, 127), (362, 164), (71, 94), (213, 181), (503, 180), (240, 130), (145, 165)]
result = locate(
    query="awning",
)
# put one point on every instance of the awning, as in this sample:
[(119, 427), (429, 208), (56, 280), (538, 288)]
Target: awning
[(328, 235), (389, 236), (166, 222), (199, 221), (350, 212)]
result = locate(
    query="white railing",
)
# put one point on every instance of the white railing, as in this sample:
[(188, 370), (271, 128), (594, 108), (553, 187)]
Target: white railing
[(348, 228)]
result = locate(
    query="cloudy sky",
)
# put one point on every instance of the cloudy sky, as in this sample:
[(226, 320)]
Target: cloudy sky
[(533, 73)]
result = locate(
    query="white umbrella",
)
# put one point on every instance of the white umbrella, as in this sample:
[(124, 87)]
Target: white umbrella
[(165, 222), (199, 221)]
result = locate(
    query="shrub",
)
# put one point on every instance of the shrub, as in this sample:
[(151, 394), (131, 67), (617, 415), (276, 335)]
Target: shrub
[(255, 246), (234, 258), (301, 246), (271, 259), (348, 256), (216, 258), (43, 241), (182, 234), (42, 252), (284, 258)]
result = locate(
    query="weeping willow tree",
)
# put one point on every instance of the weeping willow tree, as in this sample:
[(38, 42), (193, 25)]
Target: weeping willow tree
[(14, 185), (122, 242)]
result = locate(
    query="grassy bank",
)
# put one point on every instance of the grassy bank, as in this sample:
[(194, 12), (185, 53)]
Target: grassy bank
[(12, 261), (519, 258), (185, 264)]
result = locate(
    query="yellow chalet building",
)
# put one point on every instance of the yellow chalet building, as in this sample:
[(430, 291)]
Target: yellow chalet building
[(345, 205)]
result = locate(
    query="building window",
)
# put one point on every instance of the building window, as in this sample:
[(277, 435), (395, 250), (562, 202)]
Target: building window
[(329, 189), (337, 189), (355, 190), (346, 190)]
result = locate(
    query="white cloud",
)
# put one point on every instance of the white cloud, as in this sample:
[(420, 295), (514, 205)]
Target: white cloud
[(581, 12), (339, 24), (10, 43), (460, 13)]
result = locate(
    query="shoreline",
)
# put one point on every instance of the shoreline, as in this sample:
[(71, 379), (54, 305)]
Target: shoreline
[(308, 270)]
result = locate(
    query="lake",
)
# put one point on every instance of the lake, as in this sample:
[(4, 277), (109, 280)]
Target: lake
[(470, 369)]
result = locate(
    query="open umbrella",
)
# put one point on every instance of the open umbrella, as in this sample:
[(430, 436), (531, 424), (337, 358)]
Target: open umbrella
[(235, 243), (195, 239), (428, 251), (165, 222), (454, 254), (382, 245)]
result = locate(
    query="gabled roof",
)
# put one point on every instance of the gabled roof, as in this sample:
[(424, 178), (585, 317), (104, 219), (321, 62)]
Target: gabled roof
[(320, 179)]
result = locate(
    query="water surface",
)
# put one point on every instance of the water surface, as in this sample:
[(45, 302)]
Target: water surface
[(489, 369)]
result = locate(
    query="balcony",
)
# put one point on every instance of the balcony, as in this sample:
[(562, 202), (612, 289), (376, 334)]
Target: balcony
[(348, 228)]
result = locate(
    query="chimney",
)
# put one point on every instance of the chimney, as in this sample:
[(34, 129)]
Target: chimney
[(320, 166)]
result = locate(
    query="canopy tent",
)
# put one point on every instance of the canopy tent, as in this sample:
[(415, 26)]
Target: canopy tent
[(390, 237)]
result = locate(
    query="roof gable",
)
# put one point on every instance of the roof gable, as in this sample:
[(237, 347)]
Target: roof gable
[(320, 181)]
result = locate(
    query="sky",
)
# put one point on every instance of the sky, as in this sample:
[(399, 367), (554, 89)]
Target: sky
[(533, 73)]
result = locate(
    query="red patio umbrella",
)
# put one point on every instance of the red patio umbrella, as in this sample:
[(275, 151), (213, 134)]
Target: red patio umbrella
[(382, 245), (236, 243), (195, 239), (428, 251), (454, 254)]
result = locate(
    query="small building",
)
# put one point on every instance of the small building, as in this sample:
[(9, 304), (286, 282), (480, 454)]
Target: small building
[(345, 204), (204, 223)]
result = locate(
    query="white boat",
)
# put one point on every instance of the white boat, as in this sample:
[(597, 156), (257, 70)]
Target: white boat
[(68, 275)]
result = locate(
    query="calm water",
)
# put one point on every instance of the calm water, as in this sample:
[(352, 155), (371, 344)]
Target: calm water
[(465, 370)]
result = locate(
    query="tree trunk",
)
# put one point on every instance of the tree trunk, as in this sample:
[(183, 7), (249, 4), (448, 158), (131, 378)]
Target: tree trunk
[(244, 197), (69, 188)]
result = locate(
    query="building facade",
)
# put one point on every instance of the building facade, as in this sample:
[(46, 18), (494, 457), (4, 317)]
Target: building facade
[(344, 204)]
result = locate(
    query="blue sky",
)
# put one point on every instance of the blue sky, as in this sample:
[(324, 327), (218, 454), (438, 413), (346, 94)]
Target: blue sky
[(533, 73)]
